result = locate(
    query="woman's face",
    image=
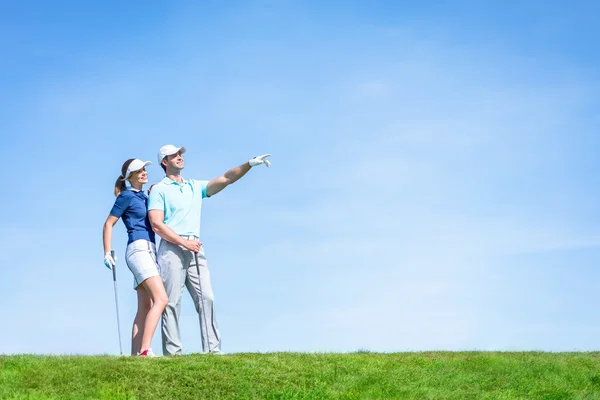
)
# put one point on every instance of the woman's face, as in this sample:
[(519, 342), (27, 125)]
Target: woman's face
[(140, 177)]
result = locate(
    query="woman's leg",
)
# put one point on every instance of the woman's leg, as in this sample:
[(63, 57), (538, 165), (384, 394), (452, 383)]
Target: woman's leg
[(154, 288), (139, 323)]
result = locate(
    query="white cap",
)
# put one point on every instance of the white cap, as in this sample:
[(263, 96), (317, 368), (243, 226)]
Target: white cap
[(136, 165), (168, 150)]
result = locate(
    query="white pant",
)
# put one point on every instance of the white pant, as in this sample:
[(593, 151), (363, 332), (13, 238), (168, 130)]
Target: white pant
[(178, 268), (140, 257)]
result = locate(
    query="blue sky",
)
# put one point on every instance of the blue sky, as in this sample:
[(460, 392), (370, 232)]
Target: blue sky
[(433, 181)]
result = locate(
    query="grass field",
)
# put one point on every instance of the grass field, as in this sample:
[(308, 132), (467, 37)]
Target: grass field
[(427, 375)]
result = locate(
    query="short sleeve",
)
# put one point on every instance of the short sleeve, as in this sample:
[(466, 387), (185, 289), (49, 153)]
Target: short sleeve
[(202, 185), (156, 199), (121, 204)]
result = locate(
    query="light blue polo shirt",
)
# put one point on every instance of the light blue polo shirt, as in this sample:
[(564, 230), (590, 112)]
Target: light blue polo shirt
[(182, 204)]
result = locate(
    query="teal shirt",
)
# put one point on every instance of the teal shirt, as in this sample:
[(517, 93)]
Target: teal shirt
[(182, 204)]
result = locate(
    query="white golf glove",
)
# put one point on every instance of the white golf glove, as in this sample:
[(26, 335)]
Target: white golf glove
[(109, 261), (260, 160)]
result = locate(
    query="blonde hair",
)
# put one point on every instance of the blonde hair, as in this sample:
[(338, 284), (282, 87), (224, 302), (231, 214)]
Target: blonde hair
[(120, 182)]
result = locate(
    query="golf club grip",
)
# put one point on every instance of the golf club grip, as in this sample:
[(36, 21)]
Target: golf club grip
[(114, 269)]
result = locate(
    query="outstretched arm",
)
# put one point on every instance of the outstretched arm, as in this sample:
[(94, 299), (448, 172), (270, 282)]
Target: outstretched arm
[(220, 183), (229, 177)]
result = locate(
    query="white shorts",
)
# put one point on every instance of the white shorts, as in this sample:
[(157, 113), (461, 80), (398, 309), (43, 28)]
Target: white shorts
[(141, 260)]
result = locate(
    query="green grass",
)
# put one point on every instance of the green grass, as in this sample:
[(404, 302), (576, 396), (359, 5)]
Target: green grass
[(428, 375)]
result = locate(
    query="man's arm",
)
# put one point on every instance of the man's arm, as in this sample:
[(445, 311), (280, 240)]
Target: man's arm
[(229, 177), (157, 218), (220, 183)]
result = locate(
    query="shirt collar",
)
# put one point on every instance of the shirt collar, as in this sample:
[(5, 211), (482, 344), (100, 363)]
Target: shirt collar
[(168, 181), (134, 190)]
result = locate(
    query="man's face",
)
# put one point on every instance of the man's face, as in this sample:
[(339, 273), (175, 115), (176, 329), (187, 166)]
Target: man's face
[(174, 161)]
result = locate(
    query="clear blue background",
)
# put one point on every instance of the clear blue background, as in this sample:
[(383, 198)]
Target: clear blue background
[(433, 186)]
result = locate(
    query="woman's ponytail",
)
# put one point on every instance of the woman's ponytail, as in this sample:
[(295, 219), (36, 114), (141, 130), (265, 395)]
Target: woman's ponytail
[(120, 182), (120, 185)]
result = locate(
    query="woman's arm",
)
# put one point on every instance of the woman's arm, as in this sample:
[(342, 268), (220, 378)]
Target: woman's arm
[(107, 232)]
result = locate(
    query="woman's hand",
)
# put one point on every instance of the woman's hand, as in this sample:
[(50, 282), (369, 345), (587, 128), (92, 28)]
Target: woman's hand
[(109, 261)]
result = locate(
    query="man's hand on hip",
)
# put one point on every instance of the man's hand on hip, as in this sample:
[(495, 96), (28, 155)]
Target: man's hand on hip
[(260, 160)]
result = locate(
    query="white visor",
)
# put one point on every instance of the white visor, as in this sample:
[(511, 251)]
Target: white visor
[(136, 165)]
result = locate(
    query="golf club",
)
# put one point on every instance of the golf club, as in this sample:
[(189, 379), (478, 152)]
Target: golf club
[(114, 271), (202, 303)]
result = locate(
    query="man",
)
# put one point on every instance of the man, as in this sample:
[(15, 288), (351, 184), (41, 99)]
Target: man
[(174, 210)]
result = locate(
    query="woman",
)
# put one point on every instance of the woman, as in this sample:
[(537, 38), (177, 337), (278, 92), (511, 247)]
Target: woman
[(131, 205)]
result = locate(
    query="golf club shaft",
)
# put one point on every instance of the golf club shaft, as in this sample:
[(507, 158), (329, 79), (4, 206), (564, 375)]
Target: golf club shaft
[(202, 310), (114, 270)]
